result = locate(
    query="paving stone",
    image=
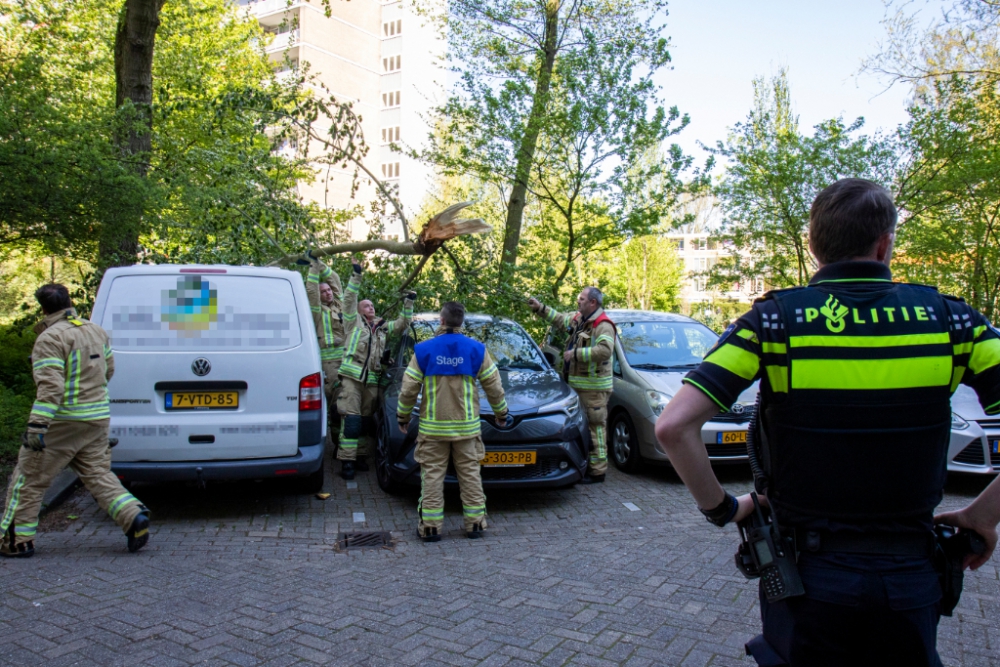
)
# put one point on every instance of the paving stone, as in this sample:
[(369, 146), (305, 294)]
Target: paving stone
[(245, 574)]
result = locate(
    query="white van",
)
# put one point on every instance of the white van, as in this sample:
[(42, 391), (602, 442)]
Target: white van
[(217, 374)]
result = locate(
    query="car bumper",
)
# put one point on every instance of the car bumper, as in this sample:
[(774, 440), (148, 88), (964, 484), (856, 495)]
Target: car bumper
[(718, 454), (970, 451), (308, 460), (559, 464)]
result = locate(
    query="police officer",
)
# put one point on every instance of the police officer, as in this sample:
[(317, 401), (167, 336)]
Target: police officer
[(361, 369), (446, 368), (856, 376), (325, 292), (589, 348), (68, 426)]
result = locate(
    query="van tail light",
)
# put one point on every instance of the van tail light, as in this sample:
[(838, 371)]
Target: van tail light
[(311, 392)]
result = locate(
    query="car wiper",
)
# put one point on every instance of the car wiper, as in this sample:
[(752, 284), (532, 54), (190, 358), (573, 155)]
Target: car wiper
[(660, 367)]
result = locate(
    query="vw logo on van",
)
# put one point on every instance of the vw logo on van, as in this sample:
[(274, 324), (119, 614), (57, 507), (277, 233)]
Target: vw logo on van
[(201, 367), (737, 408)]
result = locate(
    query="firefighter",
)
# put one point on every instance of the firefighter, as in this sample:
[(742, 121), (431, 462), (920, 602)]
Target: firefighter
[(446, 368), (68, 426), (587, 367), (360, 371), (325, 292), (856, 374)]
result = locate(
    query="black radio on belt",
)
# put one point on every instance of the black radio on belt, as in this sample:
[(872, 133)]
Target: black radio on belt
[(764, 553), (952, 549)]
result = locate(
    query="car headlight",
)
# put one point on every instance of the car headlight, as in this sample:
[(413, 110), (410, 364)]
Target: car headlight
[(957, 423), (570, 405), (657, 401)]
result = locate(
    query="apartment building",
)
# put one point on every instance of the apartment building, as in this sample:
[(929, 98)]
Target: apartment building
[(379, 55), (699, 254)]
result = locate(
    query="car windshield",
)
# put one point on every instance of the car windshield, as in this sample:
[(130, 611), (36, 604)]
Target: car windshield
[(508, 344), (665, 345)]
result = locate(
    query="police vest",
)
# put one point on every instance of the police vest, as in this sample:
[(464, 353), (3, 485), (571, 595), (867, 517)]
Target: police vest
[(859, 425), (450, 354)]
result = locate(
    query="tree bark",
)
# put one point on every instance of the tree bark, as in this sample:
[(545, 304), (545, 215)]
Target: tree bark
[(134, 41), (526, 150)]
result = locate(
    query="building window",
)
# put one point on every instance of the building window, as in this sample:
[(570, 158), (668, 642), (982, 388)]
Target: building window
[(390, 100), (390, 170), (392, 28), (392, 63), (390, 134)]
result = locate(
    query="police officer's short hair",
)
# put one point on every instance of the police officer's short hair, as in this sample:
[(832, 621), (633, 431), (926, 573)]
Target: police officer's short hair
[(848, 218), (596, 295), (53, 297), (453, 314)]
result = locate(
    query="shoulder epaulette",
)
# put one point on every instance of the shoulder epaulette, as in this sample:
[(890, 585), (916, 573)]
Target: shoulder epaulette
[(770, 294), (929, 288)]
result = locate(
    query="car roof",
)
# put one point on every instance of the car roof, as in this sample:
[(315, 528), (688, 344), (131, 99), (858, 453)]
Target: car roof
[(622, 315), (477, 318)]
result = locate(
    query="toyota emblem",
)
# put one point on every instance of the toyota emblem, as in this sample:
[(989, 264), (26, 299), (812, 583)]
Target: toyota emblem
[(201, 367), (737, 408)]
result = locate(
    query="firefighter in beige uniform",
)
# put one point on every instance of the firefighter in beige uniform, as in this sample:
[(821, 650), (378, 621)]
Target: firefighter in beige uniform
[(68, 426), (588, 352), (325, 292), (361, 369), (446, 368)]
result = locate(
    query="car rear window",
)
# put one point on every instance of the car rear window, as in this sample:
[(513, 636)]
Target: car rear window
[(201, 312)]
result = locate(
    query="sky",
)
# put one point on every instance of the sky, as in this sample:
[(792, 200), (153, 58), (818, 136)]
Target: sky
[(719, 46)]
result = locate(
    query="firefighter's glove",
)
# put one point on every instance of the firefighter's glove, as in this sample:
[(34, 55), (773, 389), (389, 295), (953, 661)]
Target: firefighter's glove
[(411, 295), (356, 265), (303, 260), (112, 442), (33, 439)]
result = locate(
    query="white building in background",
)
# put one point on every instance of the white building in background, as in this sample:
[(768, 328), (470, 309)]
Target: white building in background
[(699, 254), (379, 55)]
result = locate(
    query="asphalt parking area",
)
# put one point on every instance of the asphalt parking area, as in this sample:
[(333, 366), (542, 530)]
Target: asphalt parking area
[(624, 573)]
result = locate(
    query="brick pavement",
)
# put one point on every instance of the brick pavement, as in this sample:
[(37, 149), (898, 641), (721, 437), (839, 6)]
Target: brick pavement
[(245, 574)]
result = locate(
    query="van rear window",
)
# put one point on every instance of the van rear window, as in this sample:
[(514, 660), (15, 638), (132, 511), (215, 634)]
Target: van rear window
[(201, 312)]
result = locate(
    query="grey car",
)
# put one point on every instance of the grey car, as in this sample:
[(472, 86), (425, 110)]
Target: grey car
[(653, 353)]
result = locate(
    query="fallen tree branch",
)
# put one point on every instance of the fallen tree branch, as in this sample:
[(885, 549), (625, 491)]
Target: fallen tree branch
[(442, 227)]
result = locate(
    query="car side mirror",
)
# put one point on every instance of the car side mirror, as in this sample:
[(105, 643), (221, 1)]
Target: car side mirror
[(549, 357)]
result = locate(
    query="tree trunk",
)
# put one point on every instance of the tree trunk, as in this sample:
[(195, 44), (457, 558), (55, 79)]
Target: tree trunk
[(526, 151), (134, 40)]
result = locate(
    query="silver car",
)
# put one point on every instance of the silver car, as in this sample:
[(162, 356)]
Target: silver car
[(653, 353), (975, 436)]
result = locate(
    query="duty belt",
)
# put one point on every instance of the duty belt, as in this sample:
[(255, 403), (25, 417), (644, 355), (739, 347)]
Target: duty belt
[(917, 545)]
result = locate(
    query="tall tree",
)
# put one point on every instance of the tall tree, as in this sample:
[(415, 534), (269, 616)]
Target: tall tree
[(964, 40), (644, 273), (512, 59), (135, 39), (772, 175), (950, 234)]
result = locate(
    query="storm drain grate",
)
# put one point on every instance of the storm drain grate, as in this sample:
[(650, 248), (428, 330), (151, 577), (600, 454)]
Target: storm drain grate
[(372, 539)]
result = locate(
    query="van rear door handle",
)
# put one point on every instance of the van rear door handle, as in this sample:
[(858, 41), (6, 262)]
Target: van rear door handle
[(201, 439)]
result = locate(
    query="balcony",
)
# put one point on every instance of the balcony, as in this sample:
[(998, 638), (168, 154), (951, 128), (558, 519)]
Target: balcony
[(283, 41), (263, 7)]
